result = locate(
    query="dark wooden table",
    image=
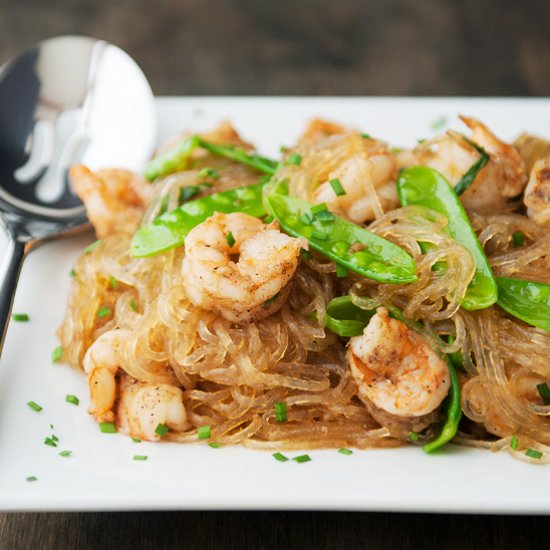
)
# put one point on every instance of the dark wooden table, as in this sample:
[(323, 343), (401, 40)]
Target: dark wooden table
[(296, 47)]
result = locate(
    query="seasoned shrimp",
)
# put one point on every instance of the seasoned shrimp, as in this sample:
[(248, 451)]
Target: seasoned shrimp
[(399, 376), (537, 193), (504, 176), (101, 365), (244, 288), (365, 168), (115, 200), (142, 406)]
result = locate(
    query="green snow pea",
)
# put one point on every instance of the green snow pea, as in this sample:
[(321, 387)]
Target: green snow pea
[(453, 413), (176, 158), (171, 228), (525, 300), (425, 186), (345, 318), (231, 152), (342, 241), (172, 160)]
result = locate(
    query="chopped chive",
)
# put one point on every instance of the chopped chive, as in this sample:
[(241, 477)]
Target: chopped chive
[(203, 432), (57, 354), (302, 458), (107, 427), (544, 392), (142, 458), (345, 451), (268, 219), (230, 239), (214, 445), (209, 173), (337, 187), (294, 159), (72, 273), (269, 301), (306, 218), (34, 406), (103, 311), (92, 246), (439, 123), (135, 440), (113, 282), (514, 443), (341, 271), (65, 453), (325, 216), (518, 238), (413, 436), (133, 305), (51, 426), (55, 438), (32, 478), (320, 235), (396, 150), (50, 442), (366, 136), (161, 429), (319, 207), (72, 399), (306, 254), (420, 141), (280, 412), (283, 149), (532, 453), (548, 198), (279, 457), (20, 317)]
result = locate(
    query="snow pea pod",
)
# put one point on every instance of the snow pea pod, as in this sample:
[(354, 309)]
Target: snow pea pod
[(345, 318), (425, 186), (172, 160), (525, 300), (453, 413), (231, 152), (170, 229), (342, 241)]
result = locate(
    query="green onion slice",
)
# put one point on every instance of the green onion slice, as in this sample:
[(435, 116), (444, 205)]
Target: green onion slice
[(57, 354), (73, 399), (34, 406), (302, 458), (107, 427), (32, 478), (142, 458), (280, 412), (103, 311), (345, 451), (203, 432), (514, 443), (65, 453), (337, 187), (279, 457), (544, 392), (161, 430), (230, 239), (20, 317), (533, 453), (294, 159)]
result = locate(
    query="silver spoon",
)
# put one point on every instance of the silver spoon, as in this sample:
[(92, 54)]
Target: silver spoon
[(70, 99)]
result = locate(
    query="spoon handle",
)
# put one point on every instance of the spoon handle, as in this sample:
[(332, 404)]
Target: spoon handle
[(9, 274)]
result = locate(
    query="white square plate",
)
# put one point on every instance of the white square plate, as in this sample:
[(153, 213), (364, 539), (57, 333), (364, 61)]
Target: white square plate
[(101, 475)]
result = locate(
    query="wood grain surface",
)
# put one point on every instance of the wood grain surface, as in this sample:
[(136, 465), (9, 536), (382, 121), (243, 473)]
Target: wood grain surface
[(287, 47)]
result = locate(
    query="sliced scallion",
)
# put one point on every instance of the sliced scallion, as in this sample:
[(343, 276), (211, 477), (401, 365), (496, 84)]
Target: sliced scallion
[(72, 399), (302, 458), (214, 445), (325, 216), (113, 282), (103, 311), (135, 440), (141, 458), (341, 271), (413, 436), (32, 478), (533, 453), (107, 427), (203, 432), (514, 443), (544, 392), (337, 187), (279, 457), (133, 305), (294, 159), (280, 412), (518, 238), (50, 442), (230, 239), (20, 317), (65, 453), (34, 406), (57, 354), (161, 430), (345, 451), (316, 208)]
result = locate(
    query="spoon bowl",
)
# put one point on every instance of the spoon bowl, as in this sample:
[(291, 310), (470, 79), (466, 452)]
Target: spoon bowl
[(70, 99)]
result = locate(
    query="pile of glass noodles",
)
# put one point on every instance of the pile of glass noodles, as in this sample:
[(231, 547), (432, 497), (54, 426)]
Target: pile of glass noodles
[(346, 295)]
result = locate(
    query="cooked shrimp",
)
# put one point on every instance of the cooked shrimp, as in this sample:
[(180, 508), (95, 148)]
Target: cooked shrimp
[(101, 365), (504, 176), (246, 288), (142, 406), (397, 373), (537, 193), (115, 200), (365, 168)]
